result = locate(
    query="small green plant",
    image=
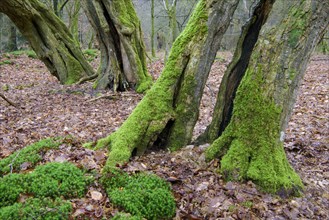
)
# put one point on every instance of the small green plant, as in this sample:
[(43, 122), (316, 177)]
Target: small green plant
[(6, 62), (142, 195), (232, 208), (247, 204), (30, 154), (31, 54), (5, 87), (35, 208), (90, 54), (17, 53), (57, 179)]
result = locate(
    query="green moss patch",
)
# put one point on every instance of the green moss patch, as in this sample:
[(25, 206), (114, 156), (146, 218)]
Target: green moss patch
[(57, 179), (30, 154), (50, 180), (10, 188), (125, 216), (35, 208), (142, 195)]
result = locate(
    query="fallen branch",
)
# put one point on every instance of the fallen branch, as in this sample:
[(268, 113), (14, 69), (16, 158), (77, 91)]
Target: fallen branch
[(8, 101)]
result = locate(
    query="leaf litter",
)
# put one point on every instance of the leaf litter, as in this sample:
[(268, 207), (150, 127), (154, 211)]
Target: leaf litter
[(49, 109)]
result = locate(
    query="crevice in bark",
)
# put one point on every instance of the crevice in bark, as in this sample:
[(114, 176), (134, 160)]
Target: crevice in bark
[(236, 70), (114, 35), (252, 30), (178, 85)]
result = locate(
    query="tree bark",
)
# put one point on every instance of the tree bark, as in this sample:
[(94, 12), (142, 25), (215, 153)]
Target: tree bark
[(49, 38), (235, 72), (170, 109), (251, 146), (123, 57)]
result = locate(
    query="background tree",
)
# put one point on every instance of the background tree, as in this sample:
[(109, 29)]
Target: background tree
[(49, 38), (167, 114), (123, 58), (257, 99)]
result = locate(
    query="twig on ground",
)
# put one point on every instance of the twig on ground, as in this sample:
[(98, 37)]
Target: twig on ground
[(8, 101)]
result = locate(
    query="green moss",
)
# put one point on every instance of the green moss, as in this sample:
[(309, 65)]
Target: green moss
[(57, 179), (247, 204), (142, 195), (250, 144), (294, 37), (51, 180), (10, 188), (298, 24), (145, 84), (126, 13), (31, 54), (34, 208), (30, 154), (91, 54), (125, 216)]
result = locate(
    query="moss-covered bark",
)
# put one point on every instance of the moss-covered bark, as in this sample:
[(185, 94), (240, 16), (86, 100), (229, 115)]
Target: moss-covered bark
[(235, 72), (123, 57), (49, 38), (168, 112), (251, 146)]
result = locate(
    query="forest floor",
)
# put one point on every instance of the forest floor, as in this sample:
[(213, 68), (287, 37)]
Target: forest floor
[(48, 109)]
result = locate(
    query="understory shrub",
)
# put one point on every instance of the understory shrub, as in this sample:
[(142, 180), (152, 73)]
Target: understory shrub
[(37, 208), (30, 154), (142, 195)]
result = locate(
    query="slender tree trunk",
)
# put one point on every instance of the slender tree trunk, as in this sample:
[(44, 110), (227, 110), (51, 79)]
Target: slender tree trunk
[(123, 57), (152, 29), (170, 109), (74, 20), (171, 12), (251, 144), (49, 38)]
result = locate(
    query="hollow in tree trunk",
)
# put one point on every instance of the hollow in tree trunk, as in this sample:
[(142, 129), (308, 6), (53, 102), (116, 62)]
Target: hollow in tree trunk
[(251, 145), (49, 38), (119, 34)]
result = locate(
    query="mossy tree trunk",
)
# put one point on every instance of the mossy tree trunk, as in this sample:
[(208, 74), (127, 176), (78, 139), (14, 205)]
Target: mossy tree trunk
[(235, 71), (167, 114), (251, 145), (123, 56), (49, 38)]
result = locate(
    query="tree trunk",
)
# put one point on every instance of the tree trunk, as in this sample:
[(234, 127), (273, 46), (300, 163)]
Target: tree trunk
[(167, 114), (12, 45), (49, 38), (171, 12), (123, 58), (251, 146), (235, 72), (152, 29)]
